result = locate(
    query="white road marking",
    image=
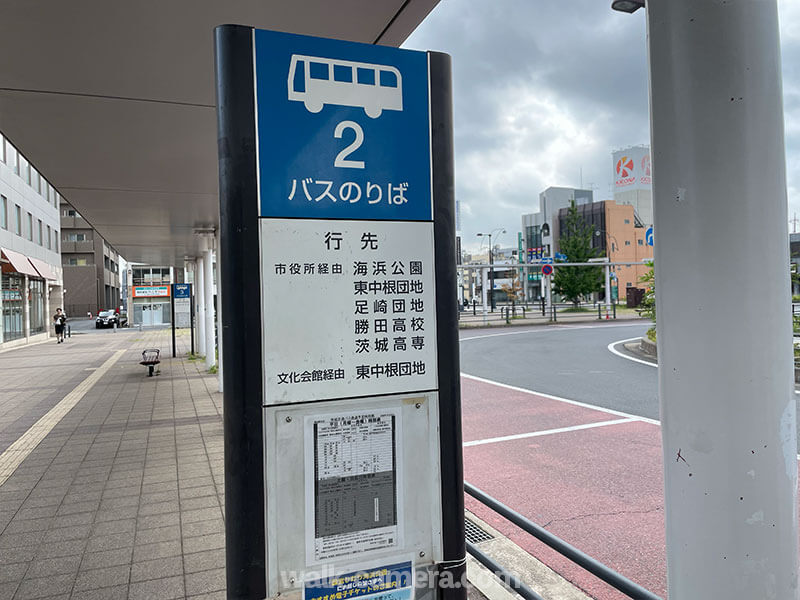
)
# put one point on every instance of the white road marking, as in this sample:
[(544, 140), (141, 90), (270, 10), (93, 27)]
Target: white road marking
[(27, 442), (542, 329), (618, 353), (521, 436), (559, 399)]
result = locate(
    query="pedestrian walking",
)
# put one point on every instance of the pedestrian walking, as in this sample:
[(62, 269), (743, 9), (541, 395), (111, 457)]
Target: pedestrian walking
[(60, 320)]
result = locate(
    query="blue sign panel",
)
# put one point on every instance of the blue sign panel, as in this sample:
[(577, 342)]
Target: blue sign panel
[(343, 129), (648, 235), (390, 582), (181, 290), (548, 260)]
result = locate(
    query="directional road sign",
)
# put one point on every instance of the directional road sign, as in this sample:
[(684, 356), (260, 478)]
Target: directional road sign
[(648, 236)]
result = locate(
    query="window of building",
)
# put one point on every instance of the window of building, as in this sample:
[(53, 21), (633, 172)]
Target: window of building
[(29, 230), (36, 305), (17, 220), (640, 242), (627, 242), (629, 284), (12, 290), (24, 169), (55, 241), (39, 229), (49, 238), (2, 148), (3, 212), (12, 158), (36, 181), (627, 221)]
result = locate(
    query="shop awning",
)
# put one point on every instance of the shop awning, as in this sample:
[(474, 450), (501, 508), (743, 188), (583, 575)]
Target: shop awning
[(45, 270), (20, 262)]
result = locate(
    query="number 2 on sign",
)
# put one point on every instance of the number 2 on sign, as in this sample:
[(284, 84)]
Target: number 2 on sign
[(341, 158)]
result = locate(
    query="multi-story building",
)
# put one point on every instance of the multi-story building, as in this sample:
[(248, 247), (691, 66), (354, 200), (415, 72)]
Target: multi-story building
[(91, 266), (31, 281), (541, 228), (620, 236), (150, 294)]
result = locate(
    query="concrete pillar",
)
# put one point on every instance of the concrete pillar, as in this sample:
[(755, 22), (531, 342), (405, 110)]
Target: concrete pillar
[(725, 379), (208, 288), (484, 287), (219, 316), (200, 305)]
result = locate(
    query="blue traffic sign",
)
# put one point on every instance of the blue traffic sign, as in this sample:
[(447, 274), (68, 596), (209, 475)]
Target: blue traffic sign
[(343, 129), (181, 290), (560, 256), (547, 260), (648, 236)]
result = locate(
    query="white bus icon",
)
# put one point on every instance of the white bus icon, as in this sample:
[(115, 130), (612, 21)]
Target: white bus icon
[(317, 81)]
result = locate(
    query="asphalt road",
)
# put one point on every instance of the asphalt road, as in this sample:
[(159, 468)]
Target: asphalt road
[(570, 361)]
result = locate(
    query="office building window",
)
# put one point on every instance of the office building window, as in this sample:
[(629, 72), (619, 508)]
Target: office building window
[(17, 220), (24, 169), (11, 157), (29, 230), (36, 305), (3, 212), (627, 242), (49, 238), (36, 181), (2, 148), (13, 312), (39, 232), (640, 242), (55, 241), (627, 221)]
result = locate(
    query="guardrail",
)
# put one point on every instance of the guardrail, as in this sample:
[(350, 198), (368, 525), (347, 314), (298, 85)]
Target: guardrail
[(533, 313), (595, 567)]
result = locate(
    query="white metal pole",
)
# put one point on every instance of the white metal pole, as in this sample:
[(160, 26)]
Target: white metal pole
[(219, 318), (725, 369), (208, 288), (200, 301), (484, 284)]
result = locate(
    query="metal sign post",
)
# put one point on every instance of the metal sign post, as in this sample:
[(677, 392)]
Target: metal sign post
[(181, 310), (337, 231)]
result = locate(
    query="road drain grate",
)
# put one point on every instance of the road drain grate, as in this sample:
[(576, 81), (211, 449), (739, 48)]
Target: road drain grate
[(475, 534)]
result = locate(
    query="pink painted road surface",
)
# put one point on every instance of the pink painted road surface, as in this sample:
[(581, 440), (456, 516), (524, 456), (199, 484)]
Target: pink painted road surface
[(590, 476)]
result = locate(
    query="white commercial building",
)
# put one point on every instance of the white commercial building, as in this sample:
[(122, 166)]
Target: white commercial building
[(29, 250)]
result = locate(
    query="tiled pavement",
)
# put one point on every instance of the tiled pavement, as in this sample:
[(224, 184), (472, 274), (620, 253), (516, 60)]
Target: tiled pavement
[(123, 498)]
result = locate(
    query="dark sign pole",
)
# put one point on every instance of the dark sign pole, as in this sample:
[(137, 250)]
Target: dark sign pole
[(172, 307), (444, 231), (241, 342)]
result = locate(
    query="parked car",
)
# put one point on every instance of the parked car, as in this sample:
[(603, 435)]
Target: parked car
[(106, 318)]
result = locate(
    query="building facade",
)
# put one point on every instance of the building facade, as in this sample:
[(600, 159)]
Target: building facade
[(91, 266), (149, 290), (31, 280)]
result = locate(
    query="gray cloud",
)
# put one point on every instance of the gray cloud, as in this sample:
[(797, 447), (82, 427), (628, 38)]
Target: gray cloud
[(545, 90)]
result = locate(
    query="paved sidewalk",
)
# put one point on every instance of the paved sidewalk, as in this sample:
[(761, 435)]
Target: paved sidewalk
[(123, 496)]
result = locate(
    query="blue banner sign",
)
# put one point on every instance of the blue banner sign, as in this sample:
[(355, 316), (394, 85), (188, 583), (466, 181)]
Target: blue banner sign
[(390, 582), (181, 290), (342, 128)]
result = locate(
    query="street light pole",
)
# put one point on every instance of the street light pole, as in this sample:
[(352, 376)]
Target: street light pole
[(491, 264)]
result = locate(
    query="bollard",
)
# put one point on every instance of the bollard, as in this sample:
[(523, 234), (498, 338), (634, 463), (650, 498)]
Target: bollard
[(474, 307), (615, 310), (508, 315), (523, 312), (542, 301), (599, 317), (554, 319), (69, 331)]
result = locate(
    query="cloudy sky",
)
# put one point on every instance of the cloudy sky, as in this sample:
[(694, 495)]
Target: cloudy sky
[(544, 90)]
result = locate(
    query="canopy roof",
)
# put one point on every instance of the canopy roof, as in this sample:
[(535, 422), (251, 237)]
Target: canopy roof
[(114, 102)]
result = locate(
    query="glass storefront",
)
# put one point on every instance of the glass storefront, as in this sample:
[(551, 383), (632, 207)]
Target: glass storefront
[(37, 306), (13, 309)]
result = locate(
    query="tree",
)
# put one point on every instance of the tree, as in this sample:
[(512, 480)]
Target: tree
[(576, 242), (513, 291), (647, 308)]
